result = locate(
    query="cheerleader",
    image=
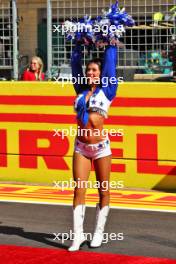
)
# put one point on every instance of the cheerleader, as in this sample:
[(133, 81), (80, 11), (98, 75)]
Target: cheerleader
[(92, 104), (94, 97)]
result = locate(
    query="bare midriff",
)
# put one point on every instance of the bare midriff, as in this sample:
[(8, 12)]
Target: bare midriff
[(92, 132)]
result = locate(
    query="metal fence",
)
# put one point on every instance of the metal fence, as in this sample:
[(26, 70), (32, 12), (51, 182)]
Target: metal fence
[(6, 43), (9, 37), (152, 34), (155, 27)]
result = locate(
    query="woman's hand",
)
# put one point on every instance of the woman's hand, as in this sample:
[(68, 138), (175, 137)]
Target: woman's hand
[(101, 44), (114, 42), (117, 43)]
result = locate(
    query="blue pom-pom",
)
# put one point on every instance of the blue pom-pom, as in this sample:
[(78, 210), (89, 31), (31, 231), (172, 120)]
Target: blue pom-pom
[(86, 27)]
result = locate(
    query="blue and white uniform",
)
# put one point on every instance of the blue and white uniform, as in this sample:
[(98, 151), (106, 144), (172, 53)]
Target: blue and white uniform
[(101, 98)]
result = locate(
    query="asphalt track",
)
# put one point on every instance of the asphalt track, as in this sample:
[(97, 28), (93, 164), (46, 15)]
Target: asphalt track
[(145, 233)]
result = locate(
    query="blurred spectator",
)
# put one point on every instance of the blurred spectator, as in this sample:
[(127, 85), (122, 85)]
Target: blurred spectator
[(167, 64), (35, 70), (157, 63), (172, 56)]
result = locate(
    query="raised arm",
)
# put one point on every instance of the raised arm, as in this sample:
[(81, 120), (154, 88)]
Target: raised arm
[(77, 67), (109, 77)]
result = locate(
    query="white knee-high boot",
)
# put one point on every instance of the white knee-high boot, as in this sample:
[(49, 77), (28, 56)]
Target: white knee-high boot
[(78, 219), (101, 217)]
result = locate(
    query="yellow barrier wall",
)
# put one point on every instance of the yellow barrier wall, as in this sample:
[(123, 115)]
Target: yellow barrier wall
[(143, 157)]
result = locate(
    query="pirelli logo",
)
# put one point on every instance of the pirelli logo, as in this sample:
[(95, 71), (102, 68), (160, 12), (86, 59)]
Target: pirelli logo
[(144, 156)]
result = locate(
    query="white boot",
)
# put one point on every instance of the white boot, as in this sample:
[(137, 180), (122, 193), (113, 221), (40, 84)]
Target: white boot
[(101, 217), (78, 219)]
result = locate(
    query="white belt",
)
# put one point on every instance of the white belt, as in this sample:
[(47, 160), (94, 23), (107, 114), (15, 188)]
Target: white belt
[(96, 146)]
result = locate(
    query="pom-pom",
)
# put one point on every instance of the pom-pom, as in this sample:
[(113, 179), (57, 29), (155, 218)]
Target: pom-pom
[(110, 26)]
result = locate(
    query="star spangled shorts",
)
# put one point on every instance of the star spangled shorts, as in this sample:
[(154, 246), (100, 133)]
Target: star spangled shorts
[(93, 151)]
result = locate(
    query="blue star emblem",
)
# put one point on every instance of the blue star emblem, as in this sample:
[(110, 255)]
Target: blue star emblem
[(93, 102), (100, 145), (101, 103)]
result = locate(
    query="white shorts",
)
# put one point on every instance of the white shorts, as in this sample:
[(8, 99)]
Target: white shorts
[(93, 151)]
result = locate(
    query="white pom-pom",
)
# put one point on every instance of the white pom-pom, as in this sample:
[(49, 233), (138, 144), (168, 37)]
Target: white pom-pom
[(104, 22), (122, 10)]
